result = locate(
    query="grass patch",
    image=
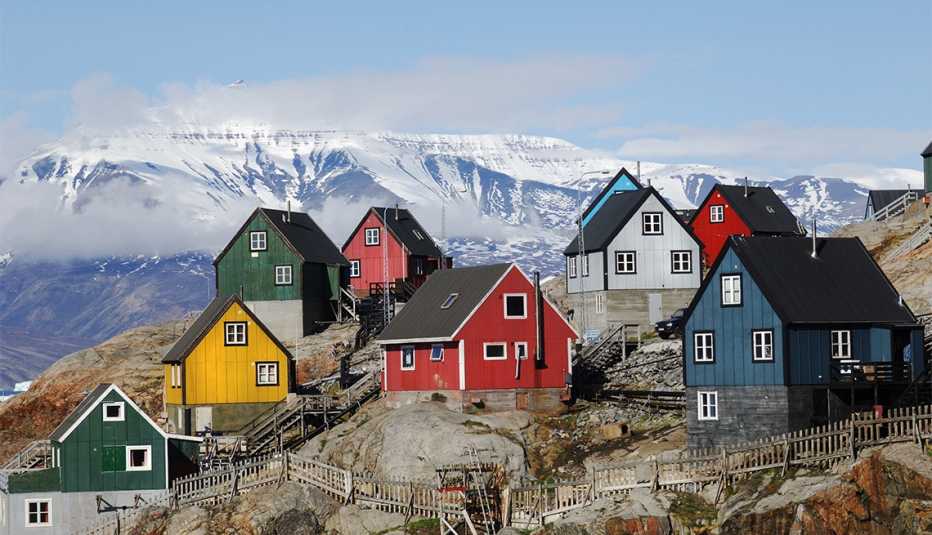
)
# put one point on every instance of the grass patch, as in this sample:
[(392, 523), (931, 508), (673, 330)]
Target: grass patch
[(693, 512), (423, 526), (477, 427)]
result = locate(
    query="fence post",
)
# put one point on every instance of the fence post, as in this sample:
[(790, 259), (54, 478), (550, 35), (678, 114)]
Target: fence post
[(786, 456), (852, 451)]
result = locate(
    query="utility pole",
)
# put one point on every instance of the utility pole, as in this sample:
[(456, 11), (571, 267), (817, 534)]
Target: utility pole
[(583, 257)]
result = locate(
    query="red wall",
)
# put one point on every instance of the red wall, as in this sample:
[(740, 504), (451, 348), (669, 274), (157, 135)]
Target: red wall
[(714, 235), (371, 266), (488, 325)]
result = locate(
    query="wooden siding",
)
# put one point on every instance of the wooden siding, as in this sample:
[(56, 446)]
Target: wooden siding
[(653, 253), (215, 373), (371, 265), (427, 374), (238, 272), (811, 350), (82, 452), (732, 327), (714, 235), (594, 281)]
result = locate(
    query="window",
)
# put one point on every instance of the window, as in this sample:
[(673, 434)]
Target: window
[(708, 405), (731, 290), (354, 268), (770, 209), (267, 374), (417, 234), (841, 344), (625, 262), (599, 303), (515, 306), (652, 223), (176, 375), (257, 241), (407, 357), (282, 275), (571, 266), (372, 236), (681, 261), (113, 412), (235, 333), (716, 213), (704, 347), (585, 265), (521, 350), (448, 302), (495, 351), (763, 345), (38, 513), (436, 352), (138, 458)]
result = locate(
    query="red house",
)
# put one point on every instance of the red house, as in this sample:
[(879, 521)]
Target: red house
[(473, 337), (412, 253), (742, 211)]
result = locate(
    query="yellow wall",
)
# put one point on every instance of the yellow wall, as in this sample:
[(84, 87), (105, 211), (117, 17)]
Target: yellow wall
[(215, 373)]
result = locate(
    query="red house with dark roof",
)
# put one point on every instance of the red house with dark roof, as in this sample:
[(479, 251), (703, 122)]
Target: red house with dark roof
[(740, 211), (393, 233), (473, 337)]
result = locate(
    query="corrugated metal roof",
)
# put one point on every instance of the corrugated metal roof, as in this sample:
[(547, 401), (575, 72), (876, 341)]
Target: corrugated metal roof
[(612, 217), (305, 236), (880, 198), (78, 411), (761, 209), (408, 230)]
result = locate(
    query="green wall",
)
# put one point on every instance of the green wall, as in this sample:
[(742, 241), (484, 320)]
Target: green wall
[(256, 276), (927, 171), (83, 452)]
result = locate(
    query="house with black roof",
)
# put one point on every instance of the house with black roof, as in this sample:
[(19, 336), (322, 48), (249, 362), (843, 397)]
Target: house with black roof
[(390, 246), (740, 211), (636, 262), (286, 269), (786, 333)]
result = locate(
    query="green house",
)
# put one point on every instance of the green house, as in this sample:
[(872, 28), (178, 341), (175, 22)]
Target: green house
[(106, 454), (287, 271)]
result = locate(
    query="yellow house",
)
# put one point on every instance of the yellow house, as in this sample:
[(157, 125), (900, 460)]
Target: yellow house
[(225, 370)]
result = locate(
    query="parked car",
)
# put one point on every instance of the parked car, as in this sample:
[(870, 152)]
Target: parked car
[(673, 326)]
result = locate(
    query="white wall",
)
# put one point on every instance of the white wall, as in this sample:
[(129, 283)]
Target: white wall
[(595, 280)]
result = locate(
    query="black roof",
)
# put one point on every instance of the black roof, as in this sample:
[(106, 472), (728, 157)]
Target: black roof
[(406, 229), (842, 285), (301, 233), (880, 198), (75, 415), (605, 189), (214, 311), (928, 151), (761, 209), (614, 215), (422, 317)]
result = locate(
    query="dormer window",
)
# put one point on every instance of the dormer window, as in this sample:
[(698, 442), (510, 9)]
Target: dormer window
[(372, 236), (113, 412), (448, 302), (716, 213), (417, 234), (257, 241), (770, 210)]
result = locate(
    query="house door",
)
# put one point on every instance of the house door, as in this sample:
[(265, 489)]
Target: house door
[(203, 418), (654, 307)]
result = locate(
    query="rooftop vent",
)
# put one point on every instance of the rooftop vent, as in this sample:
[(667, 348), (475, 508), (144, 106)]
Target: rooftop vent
[(448, 302)]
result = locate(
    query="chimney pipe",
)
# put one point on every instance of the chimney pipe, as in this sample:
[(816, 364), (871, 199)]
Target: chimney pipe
[(289, 210), (815, 253), (639, 170), (396, 211), (539, 316), (745, 186)]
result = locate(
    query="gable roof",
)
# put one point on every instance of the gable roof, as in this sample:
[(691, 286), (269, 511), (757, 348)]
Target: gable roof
[(928, 151), (90, 401), (301, 234), (880, 198), (618, 209), (208, 318), (762, 209), (405, 228), (606, 190), (843, 285), (423, 319)]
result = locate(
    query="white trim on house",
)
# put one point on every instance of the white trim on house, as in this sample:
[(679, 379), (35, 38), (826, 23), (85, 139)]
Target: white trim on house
[(147, 467), (283, 275), (118, 418), (432, 348), (731, 290), (710, 405), (413, 358), (548, 301), (569, 356), (355, 269), (414, 340), (517, 353), (485, 353), (462, 359), (376, 236), (843, 344), (523, 297), (765, 344), (126, 398), (716, 216), (48, 511), (708, 349), (258, 241)]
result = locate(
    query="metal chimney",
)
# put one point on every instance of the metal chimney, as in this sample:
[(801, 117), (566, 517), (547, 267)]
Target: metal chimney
[(815, 252), (396, 211), (289, 210), (745, 186), (539, 316)]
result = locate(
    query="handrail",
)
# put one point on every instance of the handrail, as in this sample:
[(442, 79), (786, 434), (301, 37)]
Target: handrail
[(899, 205), (922, 235)]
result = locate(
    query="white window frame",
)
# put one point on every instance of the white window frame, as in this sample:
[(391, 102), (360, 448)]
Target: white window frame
[(234, 340), (708, 349), (705, 400), (258, 240), (523, 297), (716, 216), (585, 265), (485, 350), (146, 467), (731, 290), (38, 513), (571, 266), (685, 259), (176, 375), (434, 347), (259, 372), (622, 261), (413, 357), (517, 353), (121, 417), (841, 339), (355, 269), (651, 226), (373, 237), (599, 303), (763, 339), (280, 275)]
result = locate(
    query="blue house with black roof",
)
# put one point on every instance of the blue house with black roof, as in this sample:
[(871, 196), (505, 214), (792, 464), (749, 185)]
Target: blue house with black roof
[(786, 333)]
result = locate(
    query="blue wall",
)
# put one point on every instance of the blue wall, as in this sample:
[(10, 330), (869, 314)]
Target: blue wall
[(620, 183), (732, 326), (917, 352)]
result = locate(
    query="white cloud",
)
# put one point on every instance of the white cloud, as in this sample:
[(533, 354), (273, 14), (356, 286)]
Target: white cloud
[(17, 141)]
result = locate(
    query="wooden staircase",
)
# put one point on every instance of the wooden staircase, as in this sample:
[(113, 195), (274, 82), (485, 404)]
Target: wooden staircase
[(38, 454)]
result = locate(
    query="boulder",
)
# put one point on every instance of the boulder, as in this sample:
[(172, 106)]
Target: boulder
[(639, 513), (355, 520)]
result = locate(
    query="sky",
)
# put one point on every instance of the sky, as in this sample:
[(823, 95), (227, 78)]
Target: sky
[(784, 88)]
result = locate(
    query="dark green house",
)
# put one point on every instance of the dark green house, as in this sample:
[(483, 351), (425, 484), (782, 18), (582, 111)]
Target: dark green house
[(107, 454), (286, 270)]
